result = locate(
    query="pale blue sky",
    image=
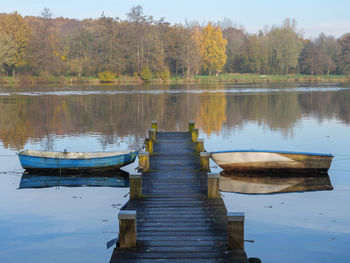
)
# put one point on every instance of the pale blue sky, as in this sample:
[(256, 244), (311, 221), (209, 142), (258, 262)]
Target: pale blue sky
[(313, 16)]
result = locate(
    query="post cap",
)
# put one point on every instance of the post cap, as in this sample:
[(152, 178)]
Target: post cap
[(154, 122), (235, 216), (152, 130), (127, 214), (135, 175), (144, 154), (213, 175), (200, 140)]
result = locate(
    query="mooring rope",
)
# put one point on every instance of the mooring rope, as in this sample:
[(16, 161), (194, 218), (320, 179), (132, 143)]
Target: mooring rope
[(12, 172), (344, 159)]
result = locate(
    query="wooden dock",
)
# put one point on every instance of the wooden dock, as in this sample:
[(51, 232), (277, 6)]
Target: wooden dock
[(175, 219)]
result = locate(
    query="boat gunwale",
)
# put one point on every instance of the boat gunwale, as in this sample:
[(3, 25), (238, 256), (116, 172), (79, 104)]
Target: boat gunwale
[(272, 151), (76, 159)]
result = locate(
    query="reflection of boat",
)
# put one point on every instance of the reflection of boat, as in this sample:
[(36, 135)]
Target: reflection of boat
[(253, 160), (254, 183), (42, 160), (42, 180)]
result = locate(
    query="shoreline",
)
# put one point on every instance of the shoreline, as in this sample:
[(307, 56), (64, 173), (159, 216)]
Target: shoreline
[(223, 79)]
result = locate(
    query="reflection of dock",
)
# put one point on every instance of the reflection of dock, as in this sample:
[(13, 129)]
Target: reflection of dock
[(254, 183), (175, 212), (43, 180)]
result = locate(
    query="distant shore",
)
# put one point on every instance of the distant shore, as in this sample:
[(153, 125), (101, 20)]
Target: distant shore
[(223, 78)]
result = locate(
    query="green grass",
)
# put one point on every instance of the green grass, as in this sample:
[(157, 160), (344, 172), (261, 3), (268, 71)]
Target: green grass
[(255, 78), (223, 78)]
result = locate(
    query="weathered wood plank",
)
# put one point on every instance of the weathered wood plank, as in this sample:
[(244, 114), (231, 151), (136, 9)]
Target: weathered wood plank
[(187, 231), (172, 255), (197, 238), (213, 260), (181, 243)]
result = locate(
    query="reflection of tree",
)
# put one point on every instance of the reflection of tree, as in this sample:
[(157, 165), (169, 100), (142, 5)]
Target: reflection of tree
[(280, 111), (327, 105), (128, 115), (275, 111), (15, 123), (212, 113)]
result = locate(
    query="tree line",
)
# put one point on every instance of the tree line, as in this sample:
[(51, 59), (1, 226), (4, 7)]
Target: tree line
[(141, 45)]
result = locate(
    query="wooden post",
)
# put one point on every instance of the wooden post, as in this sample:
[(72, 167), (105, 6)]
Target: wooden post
[(127, 228), (191, 126), (135, 180), (235, 233), (149, 145), (200, 145), (194, 134), (154, 125), (144, 162), (152, 134), (213, 185), (204, 158)]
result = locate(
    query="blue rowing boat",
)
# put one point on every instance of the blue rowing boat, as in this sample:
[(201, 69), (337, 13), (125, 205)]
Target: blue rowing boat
[(74, 161)]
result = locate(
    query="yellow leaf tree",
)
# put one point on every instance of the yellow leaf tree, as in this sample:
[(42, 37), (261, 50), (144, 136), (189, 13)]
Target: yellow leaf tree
[(14, 26), (213, 49)]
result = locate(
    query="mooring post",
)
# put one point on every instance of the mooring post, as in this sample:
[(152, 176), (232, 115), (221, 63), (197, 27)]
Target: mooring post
[(127, 228), (154, 125), (235, 233), (149, 145), (213, 185), (204, 158), (194, 134), (135, 181), (144, 161), (191, 126), (200, 145), (152, 134)]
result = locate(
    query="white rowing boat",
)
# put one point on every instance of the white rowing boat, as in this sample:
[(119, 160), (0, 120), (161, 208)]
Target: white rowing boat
[(259, 161)]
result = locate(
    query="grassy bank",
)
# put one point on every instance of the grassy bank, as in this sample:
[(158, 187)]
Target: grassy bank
[(253, 78), (223, 78), (28, 80)]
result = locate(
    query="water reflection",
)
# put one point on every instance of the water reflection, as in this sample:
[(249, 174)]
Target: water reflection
[(118, 178), (41, 225), (118, 112), (254, 183)]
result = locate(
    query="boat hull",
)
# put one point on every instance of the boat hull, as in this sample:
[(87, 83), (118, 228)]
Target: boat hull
[(38, 163), (268, 161)]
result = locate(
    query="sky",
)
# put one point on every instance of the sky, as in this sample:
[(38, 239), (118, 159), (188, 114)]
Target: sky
[(313, 16)]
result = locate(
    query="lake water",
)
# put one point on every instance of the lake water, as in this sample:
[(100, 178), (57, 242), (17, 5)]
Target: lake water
[(73, 224)]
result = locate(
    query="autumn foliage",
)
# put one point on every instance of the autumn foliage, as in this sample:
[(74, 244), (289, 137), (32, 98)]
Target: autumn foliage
[(213, 47), (106, 76), (142, 45), (16, 30)]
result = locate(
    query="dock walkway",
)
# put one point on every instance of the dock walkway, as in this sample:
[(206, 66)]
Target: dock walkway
[(176, 222)]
